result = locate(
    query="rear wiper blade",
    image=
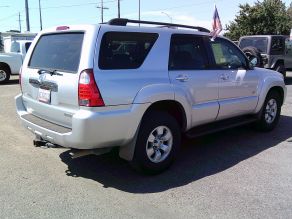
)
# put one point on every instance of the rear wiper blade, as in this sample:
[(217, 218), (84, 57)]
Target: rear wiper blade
[(46, 71)]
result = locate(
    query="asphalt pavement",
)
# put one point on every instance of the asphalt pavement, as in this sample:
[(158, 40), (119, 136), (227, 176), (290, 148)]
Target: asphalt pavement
[(237, 173)]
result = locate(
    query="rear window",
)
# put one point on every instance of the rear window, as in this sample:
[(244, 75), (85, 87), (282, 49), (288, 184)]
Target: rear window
[(125, 50), (58, 52), (260, 43)]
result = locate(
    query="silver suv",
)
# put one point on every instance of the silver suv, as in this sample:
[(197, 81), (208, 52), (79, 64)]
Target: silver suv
[(98, 87)]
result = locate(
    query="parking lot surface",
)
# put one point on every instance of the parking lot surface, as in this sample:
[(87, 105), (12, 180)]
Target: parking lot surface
[(237, 173)]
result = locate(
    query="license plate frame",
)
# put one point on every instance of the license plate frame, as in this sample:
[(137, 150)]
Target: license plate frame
[(44, 96)]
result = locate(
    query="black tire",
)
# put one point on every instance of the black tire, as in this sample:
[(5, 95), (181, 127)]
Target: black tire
[(280, 67), (4, 74), (252, 52), (263, 124), (152, 120)]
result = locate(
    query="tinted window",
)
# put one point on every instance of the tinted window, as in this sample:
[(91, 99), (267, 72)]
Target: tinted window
[(121, 50), (288, 47), (227, 55), (260, 43), (15, 47), (277, 46), (187, 52), (27, 45), (58, 51)]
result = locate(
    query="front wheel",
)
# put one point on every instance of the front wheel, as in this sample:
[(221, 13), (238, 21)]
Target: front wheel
[(157, 144), (270, 112), (4, 74)]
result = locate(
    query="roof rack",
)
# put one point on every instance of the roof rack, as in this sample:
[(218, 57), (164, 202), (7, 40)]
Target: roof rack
[(124, 21)]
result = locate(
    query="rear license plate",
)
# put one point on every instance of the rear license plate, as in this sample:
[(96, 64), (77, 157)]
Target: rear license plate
[(44, 95)]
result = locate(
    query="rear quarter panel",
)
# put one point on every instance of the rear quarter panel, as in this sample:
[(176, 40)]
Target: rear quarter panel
[(121, 86)]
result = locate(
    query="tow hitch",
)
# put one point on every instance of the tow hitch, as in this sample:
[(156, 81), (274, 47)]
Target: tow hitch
[(38, 142), (74, 153)]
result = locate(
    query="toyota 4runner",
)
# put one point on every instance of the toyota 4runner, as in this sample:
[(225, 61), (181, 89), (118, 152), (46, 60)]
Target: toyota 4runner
[(138, 88)]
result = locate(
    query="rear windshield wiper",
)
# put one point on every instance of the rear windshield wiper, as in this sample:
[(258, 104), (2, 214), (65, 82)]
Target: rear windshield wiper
[(51, 72)]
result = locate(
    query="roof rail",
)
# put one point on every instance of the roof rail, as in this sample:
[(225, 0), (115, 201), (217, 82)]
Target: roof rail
[(124, 21)]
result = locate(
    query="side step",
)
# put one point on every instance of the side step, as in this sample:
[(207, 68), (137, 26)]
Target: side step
[(220, 125)]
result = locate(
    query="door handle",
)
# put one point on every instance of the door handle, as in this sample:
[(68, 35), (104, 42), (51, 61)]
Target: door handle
[(182, 78)]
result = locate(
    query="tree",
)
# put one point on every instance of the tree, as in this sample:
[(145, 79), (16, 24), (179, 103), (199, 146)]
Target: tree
[(266, 17)]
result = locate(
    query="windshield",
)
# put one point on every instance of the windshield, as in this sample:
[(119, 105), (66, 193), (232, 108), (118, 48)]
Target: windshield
[(58, 52), (259, 42)]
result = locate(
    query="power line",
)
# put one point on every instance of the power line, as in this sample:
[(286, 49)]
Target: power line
[(10, 16), (73, 5)]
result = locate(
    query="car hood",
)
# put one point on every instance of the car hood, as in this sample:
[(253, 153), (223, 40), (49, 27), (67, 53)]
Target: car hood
[(269, 73)]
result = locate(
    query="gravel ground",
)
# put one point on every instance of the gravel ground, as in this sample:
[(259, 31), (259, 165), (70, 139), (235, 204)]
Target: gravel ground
[(238, 173)]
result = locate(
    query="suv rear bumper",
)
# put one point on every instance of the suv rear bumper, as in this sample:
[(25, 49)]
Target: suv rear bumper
[(89, 129)]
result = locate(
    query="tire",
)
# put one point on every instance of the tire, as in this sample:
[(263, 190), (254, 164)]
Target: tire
[(4, 74), (152, 154), (270, 113), (280, 67), (251, 53)]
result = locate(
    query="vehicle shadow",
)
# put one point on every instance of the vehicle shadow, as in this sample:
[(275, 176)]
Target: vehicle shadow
[(198, 158), (12, 82)]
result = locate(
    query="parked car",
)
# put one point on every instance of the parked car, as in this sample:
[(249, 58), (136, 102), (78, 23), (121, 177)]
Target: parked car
[(11, 61), (98, 87), (268, 51)]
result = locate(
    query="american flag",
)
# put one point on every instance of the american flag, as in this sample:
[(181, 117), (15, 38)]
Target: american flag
[(216, 24)]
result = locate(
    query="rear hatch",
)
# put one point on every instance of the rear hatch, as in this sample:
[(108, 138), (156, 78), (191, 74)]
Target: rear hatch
[(51, 70)]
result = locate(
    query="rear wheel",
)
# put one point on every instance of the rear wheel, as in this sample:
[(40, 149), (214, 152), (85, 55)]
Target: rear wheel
[(157, 144), (4, 74), (270, 112)]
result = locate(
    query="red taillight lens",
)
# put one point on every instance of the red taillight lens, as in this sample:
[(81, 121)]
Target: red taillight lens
[(88, 92)]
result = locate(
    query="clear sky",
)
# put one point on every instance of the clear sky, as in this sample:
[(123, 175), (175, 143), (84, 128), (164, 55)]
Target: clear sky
[(56, 12)]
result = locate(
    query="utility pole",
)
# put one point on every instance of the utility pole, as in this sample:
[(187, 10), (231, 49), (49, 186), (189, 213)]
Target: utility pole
[(119, 14), (101, 9), (40, 11), (19, 21), (27, 15), (139, 12)]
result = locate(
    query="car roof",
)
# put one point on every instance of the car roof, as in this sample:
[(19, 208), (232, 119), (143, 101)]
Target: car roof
[(128, 28), (261, 36)]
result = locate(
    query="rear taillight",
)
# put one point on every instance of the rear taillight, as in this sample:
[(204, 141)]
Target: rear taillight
[(20, 80), (88, 92)]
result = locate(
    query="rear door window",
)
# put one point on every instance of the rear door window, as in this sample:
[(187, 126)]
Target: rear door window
[(187, 52), (58, 52), (125, 50), (277, 46), (27, 45)]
